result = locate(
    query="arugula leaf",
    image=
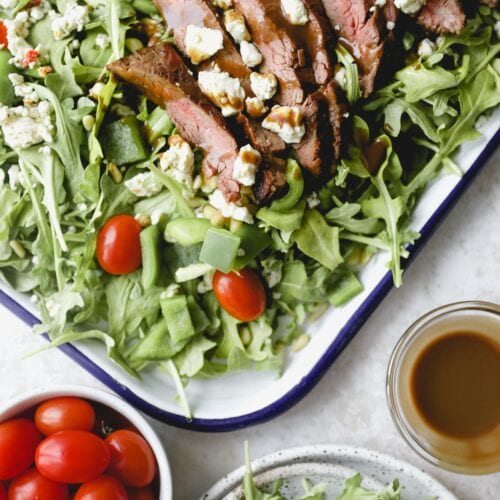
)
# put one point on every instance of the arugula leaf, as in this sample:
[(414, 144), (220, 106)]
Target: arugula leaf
[(354, 491)]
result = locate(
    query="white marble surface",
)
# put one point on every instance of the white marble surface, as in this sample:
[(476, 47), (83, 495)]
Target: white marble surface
[(348, 407)]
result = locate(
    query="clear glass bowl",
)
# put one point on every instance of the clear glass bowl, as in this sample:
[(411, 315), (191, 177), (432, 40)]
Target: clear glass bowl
[(443, 451)]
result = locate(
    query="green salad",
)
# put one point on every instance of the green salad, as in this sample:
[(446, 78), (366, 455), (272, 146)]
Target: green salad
[(78, 148), (352, 491)]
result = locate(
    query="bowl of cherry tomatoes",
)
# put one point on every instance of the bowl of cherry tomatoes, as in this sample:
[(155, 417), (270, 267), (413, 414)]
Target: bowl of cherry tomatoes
[(81, 444)]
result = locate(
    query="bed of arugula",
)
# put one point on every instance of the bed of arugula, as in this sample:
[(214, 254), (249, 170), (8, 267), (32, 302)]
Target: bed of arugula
[(428, 110)]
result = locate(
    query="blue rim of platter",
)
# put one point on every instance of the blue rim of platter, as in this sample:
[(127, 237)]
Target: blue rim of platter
[(298, 392)]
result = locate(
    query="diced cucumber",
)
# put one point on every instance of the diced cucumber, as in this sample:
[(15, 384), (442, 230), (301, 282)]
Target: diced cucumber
[(253, 241), (220, 249), (186, 231), (176, 313), (346, 289), (123, 143), (150, 245)]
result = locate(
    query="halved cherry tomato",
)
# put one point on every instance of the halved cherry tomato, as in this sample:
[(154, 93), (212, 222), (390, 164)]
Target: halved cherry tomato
[(241, 294), (140, 494), (64, 414), (3, 493), (18, 441), (3, 34), (132, 460), (72, 457), (118, 248), (102, 488), (30, 57), (33, 485)]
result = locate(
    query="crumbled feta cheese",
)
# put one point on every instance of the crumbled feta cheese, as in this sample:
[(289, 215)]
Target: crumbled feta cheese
[(102, 41), (75, 18), (246, 164), (341, 77), (223, 4), (287, 122), (235, 24), (178, 161), (17, 32), (228, 209), (202, 43), (313, 201), (409, 6), (144, 185), (380, 3), (96, 90), (24, 126), (250, 54), (223, 90), (390, 25), (8, 4), (15, 176), (171, 291), (82, 207), (264, 86), (426, 48), (296, 11), (255, 107), (23, 90)]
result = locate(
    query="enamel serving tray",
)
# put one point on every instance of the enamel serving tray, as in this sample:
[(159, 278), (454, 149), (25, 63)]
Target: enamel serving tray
[(241, 399)]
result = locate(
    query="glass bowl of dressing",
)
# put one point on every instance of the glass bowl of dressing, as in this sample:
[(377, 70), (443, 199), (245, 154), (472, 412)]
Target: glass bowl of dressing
[(443, 387)]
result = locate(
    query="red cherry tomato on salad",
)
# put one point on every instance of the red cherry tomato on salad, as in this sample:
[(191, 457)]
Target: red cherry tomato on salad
[(3, 493), (140, 494), (3, 34), (132, 460), (30, 57), (72, 457), (241, 294), (64, 414), (119, 246), (102, 488), (33, 485), (18, 441)]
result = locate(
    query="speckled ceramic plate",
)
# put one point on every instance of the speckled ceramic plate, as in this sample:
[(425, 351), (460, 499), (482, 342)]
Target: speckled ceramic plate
[(331, 465)]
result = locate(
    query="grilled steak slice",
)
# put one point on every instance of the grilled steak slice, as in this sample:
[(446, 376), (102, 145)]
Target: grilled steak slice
[(442, 16), (270, 179), (282, 56), (336, 112), (160, 73), (316, 146), (264, 141), (179, 14), (361, 33)]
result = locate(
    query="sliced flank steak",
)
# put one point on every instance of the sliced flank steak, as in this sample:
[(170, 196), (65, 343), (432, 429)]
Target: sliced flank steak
[(264, 141), (161, 74), (442, 16), (337, 110), (360, 31), (179, 14)]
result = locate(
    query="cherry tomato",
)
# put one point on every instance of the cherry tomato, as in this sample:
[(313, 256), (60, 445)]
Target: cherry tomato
[(102, 488), (241, 294), (3, 493), (32, 485), (64, 414), (119, 246), (140, 494), (72, 457), (3, 34), (132, 460), (18, 441)]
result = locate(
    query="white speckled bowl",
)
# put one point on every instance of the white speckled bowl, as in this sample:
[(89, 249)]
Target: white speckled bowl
[(331, 465), (26, 401)]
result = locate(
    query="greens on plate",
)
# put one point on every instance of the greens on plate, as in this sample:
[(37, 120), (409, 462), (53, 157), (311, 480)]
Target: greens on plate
[(80, 152)]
